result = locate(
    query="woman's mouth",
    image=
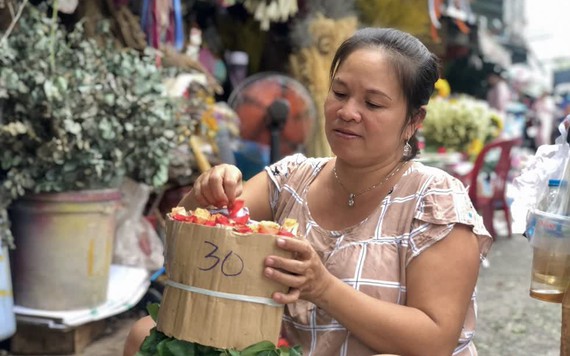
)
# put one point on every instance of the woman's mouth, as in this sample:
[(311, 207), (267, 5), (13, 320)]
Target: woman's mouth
[(346, 134)]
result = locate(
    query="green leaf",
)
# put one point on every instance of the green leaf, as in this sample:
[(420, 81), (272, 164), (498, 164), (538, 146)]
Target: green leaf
[(151, 342), (152, 310), (162, 348), (50, 90), (203, 350), (296, 351), (255, 349), (181, 348), (268, 353)]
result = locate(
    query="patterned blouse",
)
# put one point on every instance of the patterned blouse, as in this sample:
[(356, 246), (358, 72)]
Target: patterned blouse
[(372, 255)]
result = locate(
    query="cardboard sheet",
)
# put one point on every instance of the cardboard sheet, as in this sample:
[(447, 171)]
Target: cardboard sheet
[(127, 286)]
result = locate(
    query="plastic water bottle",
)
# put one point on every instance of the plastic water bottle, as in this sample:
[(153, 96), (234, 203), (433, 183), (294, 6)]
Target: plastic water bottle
[(558, 199), (545, 204), (548, 198)]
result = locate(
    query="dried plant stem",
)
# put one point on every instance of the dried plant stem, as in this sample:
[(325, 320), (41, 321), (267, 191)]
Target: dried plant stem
[(11, 8), (53, 28), (13, 24)]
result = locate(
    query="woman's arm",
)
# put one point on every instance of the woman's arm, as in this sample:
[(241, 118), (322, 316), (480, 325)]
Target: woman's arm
[(139, 331), (440, 283)]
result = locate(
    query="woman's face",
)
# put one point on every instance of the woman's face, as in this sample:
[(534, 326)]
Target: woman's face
[(365, 110)]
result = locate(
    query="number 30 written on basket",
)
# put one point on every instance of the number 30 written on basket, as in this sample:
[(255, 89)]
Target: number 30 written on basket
[(231, 265)]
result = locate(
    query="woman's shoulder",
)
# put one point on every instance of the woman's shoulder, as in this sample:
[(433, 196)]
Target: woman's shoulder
[(297, 161), (297, 165), (441, 202), (423, 178)]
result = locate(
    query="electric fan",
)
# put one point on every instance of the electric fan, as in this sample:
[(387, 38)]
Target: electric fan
[(275, 110)]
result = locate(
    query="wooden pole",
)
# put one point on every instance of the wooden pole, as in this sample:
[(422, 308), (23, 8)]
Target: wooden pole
[(565, 331), (201, 160)]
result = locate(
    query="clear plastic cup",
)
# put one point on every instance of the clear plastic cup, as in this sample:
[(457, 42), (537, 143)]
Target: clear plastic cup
[(551, 256)]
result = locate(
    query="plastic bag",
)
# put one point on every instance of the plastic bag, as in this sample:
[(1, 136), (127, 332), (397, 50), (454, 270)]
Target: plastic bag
[(530, 186), (137, 243)]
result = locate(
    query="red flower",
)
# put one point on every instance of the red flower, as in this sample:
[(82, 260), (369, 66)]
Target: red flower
[(235, 208)]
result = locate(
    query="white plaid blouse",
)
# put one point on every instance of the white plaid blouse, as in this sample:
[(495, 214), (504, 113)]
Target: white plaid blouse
[(372, 256)]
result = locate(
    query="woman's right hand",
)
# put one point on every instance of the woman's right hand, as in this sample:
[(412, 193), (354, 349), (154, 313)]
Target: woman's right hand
[(219, 186)]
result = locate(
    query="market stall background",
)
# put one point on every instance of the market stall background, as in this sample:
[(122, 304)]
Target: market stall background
[(196, 56)]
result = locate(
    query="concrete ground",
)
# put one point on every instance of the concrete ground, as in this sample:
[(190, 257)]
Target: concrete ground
[(510, 322)]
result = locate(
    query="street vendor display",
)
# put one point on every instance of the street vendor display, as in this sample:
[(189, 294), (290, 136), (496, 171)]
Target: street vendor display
[(216, 296)]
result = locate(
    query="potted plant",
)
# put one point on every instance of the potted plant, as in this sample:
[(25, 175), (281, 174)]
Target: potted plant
[(76, 117)]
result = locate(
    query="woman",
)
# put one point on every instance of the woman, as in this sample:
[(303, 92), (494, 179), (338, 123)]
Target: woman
[(392, 248)]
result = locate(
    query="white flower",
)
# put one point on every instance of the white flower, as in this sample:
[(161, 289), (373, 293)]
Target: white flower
[(455, 122)]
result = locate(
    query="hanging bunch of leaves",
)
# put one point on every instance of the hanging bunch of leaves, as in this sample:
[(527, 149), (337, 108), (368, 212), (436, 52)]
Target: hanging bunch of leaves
[(268, 11), (76, 115), (408, 15)]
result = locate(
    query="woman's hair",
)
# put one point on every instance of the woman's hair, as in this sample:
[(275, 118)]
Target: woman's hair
[(416, 67)]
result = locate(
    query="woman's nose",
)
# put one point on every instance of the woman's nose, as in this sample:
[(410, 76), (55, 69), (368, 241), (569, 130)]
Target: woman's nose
[(350, 111)]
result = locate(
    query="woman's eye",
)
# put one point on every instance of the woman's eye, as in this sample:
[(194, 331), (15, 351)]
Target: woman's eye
[(373, 106), (339, 94)]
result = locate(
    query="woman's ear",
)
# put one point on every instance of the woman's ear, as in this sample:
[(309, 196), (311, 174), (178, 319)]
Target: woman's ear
[(420, 116), (416, 121)]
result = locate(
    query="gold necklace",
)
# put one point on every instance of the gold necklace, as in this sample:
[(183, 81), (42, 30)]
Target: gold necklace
[(353, 196)]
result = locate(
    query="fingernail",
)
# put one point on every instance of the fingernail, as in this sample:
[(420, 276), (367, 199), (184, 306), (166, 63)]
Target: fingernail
[(268, 272), (280, 242), (269, 262)]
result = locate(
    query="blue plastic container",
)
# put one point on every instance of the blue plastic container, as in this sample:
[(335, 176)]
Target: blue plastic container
[(251, 158), (7, 317)]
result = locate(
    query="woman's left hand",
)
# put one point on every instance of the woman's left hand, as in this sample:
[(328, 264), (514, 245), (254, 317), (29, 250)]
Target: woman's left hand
[(306, 275)]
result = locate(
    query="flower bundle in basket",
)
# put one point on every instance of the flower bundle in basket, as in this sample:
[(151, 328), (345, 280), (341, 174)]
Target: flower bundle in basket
[(460, 124), (216, 297)]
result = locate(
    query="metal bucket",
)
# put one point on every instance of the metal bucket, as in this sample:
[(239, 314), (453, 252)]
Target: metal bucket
[(7, 317), (64, 245)]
